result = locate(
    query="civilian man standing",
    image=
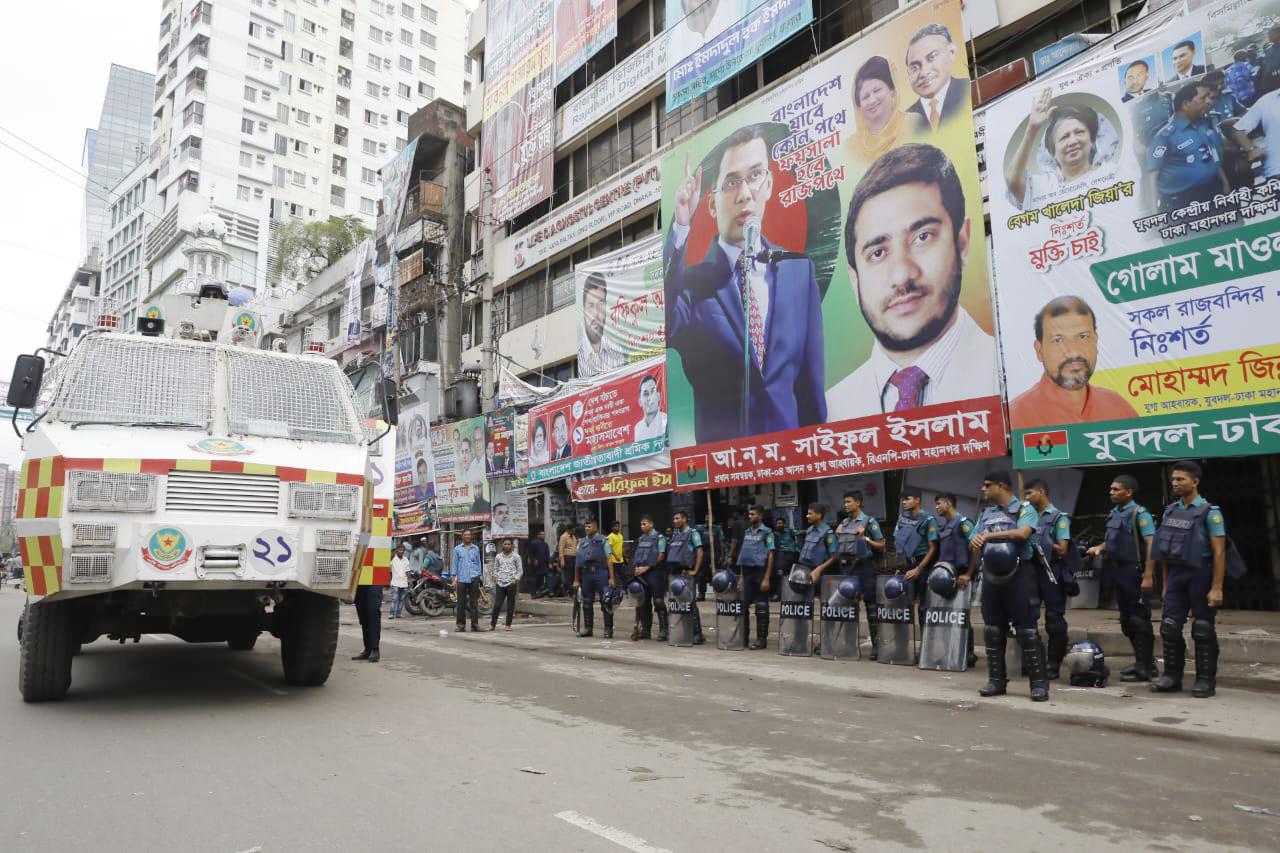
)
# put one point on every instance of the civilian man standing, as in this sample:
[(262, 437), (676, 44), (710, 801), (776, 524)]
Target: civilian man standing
[(540, 565), (467, 570)]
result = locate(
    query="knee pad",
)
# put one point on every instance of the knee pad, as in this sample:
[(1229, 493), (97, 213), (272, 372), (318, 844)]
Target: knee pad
[(1055, 623), (1203, 629), (994, 634), (762, 608), (1170, 630), (1028, 637), (1135, 626)]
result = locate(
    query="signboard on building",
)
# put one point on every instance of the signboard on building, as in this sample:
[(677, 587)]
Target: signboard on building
[(462, 489), (415, 472), (510, 515), (626, 479), (856, 369), (628, 78), (618, 300), (583, 27), (618, 420), (499, 448), (1059, 52), (1135, 253)]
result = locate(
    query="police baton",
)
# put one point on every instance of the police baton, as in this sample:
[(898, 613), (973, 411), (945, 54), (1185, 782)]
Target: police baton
[(1044, 563)]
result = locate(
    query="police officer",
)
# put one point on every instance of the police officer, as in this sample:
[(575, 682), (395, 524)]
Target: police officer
[(954, 531), (818, 548), (651, 570), (787, 549), (915, 535), (1184, 158), (685, 553), (1130, 530), (592, 570), (1003, 544), (858, 540), (755, 568), (1191, 544), (1053, 536)]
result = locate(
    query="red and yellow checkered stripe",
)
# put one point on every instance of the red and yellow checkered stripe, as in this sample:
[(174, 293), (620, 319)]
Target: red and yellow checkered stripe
[(286, 473), (40, 487), (42, 563), (375, 562)]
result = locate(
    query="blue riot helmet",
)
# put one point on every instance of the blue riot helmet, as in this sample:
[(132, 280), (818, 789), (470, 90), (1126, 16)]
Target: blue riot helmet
[(942, 579), (895, 587), (846, 593), (1087, 665), (999, 561), (678, 586), (613, 595), (800, 580), (724, 580), (636, 592)]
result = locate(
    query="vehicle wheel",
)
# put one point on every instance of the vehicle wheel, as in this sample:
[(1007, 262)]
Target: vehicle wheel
[(432, 606), (243, 643), (413, 604), (309, 639), (44, 668), (484, 601), (21, 617)]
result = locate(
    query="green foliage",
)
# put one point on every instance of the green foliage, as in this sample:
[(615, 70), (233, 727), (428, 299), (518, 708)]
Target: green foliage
[(304, 249)]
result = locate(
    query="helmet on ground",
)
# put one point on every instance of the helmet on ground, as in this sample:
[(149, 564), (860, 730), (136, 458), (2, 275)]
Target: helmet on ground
[(800, 580), (942, 579), (847, 591), (678, 586), (636, 592), (999, 561), (1087, 664), (895, 587), (724, 580)]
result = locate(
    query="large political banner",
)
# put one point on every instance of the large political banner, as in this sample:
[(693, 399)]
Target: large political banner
[(620, 419), (1134, 218), (519, 95), (415, 472), (641, 477), (713, 40), (462, 489), (861, 336), (499, 446), (583, 27), (510, 515), (618, 297)]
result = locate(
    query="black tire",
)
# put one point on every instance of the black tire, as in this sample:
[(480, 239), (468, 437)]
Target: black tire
[(309, 639), (484, 600), (413, 604), (243, 642), (48, 641), (433, 606)]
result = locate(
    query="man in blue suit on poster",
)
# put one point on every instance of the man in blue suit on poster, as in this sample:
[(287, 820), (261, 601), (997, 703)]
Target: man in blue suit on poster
[(717, 307)]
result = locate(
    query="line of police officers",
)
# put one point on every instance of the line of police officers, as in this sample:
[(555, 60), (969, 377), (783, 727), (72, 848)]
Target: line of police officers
[(1021, 549)]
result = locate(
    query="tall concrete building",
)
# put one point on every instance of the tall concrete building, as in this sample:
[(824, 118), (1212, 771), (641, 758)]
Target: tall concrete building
[(114, 147)]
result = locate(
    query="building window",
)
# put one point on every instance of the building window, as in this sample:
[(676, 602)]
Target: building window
[(404, 90), (369, 147), (406, 37), (406, 10), (250, 94), (255, 29), (427, 65), (246, 159), (368, 206), (406, 64), (375, 62), (428, 40), (307, 56), (370, 117), (299, 178), (303, 117), (427, 91), (246, 125), (402, 116), (193, 113), (369, 176), (428, 14), (242, 192), (375, 34)]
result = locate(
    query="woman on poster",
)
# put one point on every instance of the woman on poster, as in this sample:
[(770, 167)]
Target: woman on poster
[(1071, 134)]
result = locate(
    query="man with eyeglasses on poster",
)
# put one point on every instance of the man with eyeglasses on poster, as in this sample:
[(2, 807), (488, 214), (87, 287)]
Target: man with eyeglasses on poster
[(749, 332)]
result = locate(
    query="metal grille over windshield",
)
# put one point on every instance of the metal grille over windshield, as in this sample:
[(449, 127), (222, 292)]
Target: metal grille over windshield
[(114, 379), (290, 398)]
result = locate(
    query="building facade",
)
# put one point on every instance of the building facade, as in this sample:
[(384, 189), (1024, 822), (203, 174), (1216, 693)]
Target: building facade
[(114, 148)]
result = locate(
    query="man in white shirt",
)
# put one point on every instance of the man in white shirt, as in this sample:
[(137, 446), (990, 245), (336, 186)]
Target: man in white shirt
[(699, 24), (1264, 114), (907, 242), (399, 581), (596, 354), (654, 422)]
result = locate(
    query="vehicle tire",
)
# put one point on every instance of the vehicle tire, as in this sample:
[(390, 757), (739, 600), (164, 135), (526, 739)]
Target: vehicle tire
[(432, 606), (243, 642), (413, 604), (44, 663), (21, 617), (309, 639), (484, 601)]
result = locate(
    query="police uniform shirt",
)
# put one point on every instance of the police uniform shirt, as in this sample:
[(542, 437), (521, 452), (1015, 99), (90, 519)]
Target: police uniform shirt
[(1061, 530), (930, 531), (966, 528), (872, 528), (768, 543), (695, 542), (1144, 522), (1214, 525), (659, 550), (1026, 518), (786, 540), (593, 551), (1184, 155), (828, 540)]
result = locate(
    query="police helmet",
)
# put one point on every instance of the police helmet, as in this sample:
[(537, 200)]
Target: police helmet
[(999, 561), (678, 586), (724, 580), (895, 587), (942, 579), (1087, 665), (848, 591), (613, 595), (800, 580), (636, 591)]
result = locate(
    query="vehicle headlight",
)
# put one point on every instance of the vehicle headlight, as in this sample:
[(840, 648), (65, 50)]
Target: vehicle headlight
[(110, 491), (323, 500)]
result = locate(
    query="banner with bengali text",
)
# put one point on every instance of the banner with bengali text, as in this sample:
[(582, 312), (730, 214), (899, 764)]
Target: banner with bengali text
[(462, 489), (647, 476), (583, 27), (415, 472), (618, 298)]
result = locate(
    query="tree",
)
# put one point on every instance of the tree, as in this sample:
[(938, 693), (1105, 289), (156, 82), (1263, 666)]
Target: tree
[(305, 249)]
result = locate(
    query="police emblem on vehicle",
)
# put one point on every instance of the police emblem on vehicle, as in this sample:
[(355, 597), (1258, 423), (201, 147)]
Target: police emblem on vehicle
[(221, 447), (166, 549)]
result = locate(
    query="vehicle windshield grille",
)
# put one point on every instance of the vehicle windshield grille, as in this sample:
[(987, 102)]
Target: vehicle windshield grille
[(118, 380), (290, 398)]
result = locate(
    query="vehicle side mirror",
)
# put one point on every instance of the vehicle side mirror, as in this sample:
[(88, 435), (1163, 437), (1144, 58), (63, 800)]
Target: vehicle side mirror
[(24, 386), (390, 403)]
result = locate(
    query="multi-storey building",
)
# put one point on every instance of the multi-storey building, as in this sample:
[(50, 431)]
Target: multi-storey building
[(124, 275), (113, 148), (76, 312)]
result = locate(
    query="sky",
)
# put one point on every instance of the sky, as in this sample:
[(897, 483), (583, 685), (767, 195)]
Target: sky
[(49, 99)]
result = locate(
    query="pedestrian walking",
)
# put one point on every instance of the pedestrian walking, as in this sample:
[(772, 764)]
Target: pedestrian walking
[(507, 571), (467, 570), (567, 556), (400, 566)]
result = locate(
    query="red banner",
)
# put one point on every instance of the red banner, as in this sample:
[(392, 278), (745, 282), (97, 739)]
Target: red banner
[(644, 477), (932, 435)]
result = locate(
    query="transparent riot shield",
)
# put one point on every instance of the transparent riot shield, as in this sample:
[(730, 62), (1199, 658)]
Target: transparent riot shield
[(1090, 580), (731, 620), (944, 641), (839, 621), (680, 604), (795, 622), (897, 624)]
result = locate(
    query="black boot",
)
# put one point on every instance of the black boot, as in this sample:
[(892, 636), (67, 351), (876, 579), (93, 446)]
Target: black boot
[(1202, 631), (588, 620), (762, 629), (608, 621), (698, 639), (873, 629), (1056, 651), (1175, 659), (646, 623), (1033, 663), (662, 622), (995, 638), (1143, 639), (971, 659), (364, 655)]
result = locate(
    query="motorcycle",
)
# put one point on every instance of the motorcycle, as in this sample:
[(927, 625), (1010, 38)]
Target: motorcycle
[(428, 594)]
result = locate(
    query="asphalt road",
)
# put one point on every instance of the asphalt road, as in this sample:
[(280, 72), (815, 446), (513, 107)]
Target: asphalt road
[(163, 746)]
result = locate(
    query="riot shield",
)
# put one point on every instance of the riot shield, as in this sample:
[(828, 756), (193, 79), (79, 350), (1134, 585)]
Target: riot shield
[(944, 641), (731, 620), (897, 624), (839, 621), (680, 603), (795, 622), (1090, 581)]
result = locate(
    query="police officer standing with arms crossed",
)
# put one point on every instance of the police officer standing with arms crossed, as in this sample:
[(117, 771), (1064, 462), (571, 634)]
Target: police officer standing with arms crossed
[(590, 573), (859, 539), (685, 554), (954, 531), (1191, 544), (1053, 534), (1003, 545), (916, 537), (1130, 530), (755, 565), (651, 551)]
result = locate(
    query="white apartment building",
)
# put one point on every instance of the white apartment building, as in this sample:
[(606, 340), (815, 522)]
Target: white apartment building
[(124, 280), (267, 110)]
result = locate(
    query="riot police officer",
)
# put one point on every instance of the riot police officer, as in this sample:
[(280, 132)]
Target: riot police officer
[(858, 540), (954, 531), (651, 570), (591, 571), (786, 550), (755, 565), (1191, 543), (915, 536), (1003, 544), (685, 553), (818, 547), (1053, 537), (1130, 530)]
